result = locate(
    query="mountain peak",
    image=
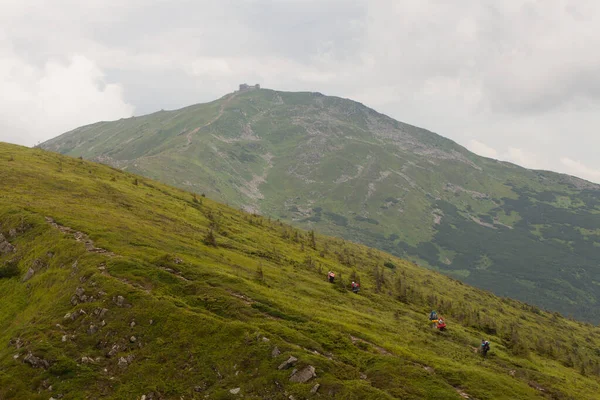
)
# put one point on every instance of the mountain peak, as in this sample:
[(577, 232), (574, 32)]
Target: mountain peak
[(335, 165)]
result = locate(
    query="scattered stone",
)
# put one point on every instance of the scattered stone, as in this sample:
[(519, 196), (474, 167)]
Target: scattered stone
[(67, 316), (87, 360), (132, 324), (265, 339), (16, 356), (291, 397), (200, 388), (234, 391), (120, 300), (93, 329), (103, 323), (132, 339), (36, 362), (315, 388), (294, 371), (79, 291), (64, 338), (113, 351), (151, 321), (28, 275), (304, 375), (363, 376), (130, 358), (17, 343), (286, 364), (12, 233), (275, 352), (177, 260), (123, 362), (143, 397), (103, 312), (512, 372), (5, 247)]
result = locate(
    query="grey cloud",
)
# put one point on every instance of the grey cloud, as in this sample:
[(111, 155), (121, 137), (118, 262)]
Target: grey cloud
[(509, 75)]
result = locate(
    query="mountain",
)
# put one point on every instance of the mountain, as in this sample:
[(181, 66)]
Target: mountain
[(116, 286), (338, 167)]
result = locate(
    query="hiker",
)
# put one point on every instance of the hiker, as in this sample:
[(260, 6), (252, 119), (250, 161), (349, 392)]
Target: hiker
[(355, 287), (330, 277), (485, 347), (441, 325), (433, 317)]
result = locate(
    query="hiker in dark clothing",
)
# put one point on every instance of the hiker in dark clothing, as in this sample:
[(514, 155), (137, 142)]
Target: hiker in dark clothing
[(330, 277), (485, 347)]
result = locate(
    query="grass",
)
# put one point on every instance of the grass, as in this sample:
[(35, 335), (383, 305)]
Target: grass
[(207, 314)]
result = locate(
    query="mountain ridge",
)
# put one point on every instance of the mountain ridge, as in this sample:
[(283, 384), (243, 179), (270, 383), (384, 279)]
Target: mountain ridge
[(339, 167)]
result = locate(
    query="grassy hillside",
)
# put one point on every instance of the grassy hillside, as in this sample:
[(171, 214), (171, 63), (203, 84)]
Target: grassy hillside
[(115, 286), (340, 168)]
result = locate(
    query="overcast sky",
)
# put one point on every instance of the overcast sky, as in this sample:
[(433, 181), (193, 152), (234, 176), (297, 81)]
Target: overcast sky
[(515, 80)]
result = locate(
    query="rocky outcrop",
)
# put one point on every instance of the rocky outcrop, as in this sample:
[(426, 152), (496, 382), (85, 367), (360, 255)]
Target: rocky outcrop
[(286, 364), (304, 375), (36, 362), (5, 247)]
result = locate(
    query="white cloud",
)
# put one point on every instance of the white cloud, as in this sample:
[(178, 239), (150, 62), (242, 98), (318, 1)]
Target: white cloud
[(38, 103), (482, 149)]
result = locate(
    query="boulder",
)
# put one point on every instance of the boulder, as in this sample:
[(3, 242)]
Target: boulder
[(275, 352), (123, 362), (286, 364), (36, 362), (304, 375), (5, 247), (28, 275)]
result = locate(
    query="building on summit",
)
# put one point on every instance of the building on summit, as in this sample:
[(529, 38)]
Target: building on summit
[(244, 87)]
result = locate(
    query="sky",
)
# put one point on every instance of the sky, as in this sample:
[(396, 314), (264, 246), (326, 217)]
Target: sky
[(517, 80)]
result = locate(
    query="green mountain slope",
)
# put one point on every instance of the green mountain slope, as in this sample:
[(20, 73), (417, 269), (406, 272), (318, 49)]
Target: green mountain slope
[(118, 287), (114, 286), (336, 166)]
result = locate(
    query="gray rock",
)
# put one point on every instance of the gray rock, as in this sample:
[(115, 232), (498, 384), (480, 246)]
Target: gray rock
[(234, 391), (304, 375), (103, 312), (79, 292), (275, 352), (123, 362), (36, 362), (286, 364), (132, 324), (294, 371), (113, 351), (133, 339), (120, 301), (5, 247), (12, 233), (93, 329), (315, 388), (28, 275)]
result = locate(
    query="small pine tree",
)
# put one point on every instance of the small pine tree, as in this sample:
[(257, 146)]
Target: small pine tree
[(313, 242), (260, 276), (210, 238)]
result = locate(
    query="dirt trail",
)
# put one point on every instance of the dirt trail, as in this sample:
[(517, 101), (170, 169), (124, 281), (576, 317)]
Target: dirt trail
[(212, 121)]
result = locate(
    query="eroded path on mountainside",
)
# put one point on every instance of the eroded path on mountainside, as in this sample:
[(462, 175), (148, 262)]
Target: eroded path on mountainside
[(212, 121)]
